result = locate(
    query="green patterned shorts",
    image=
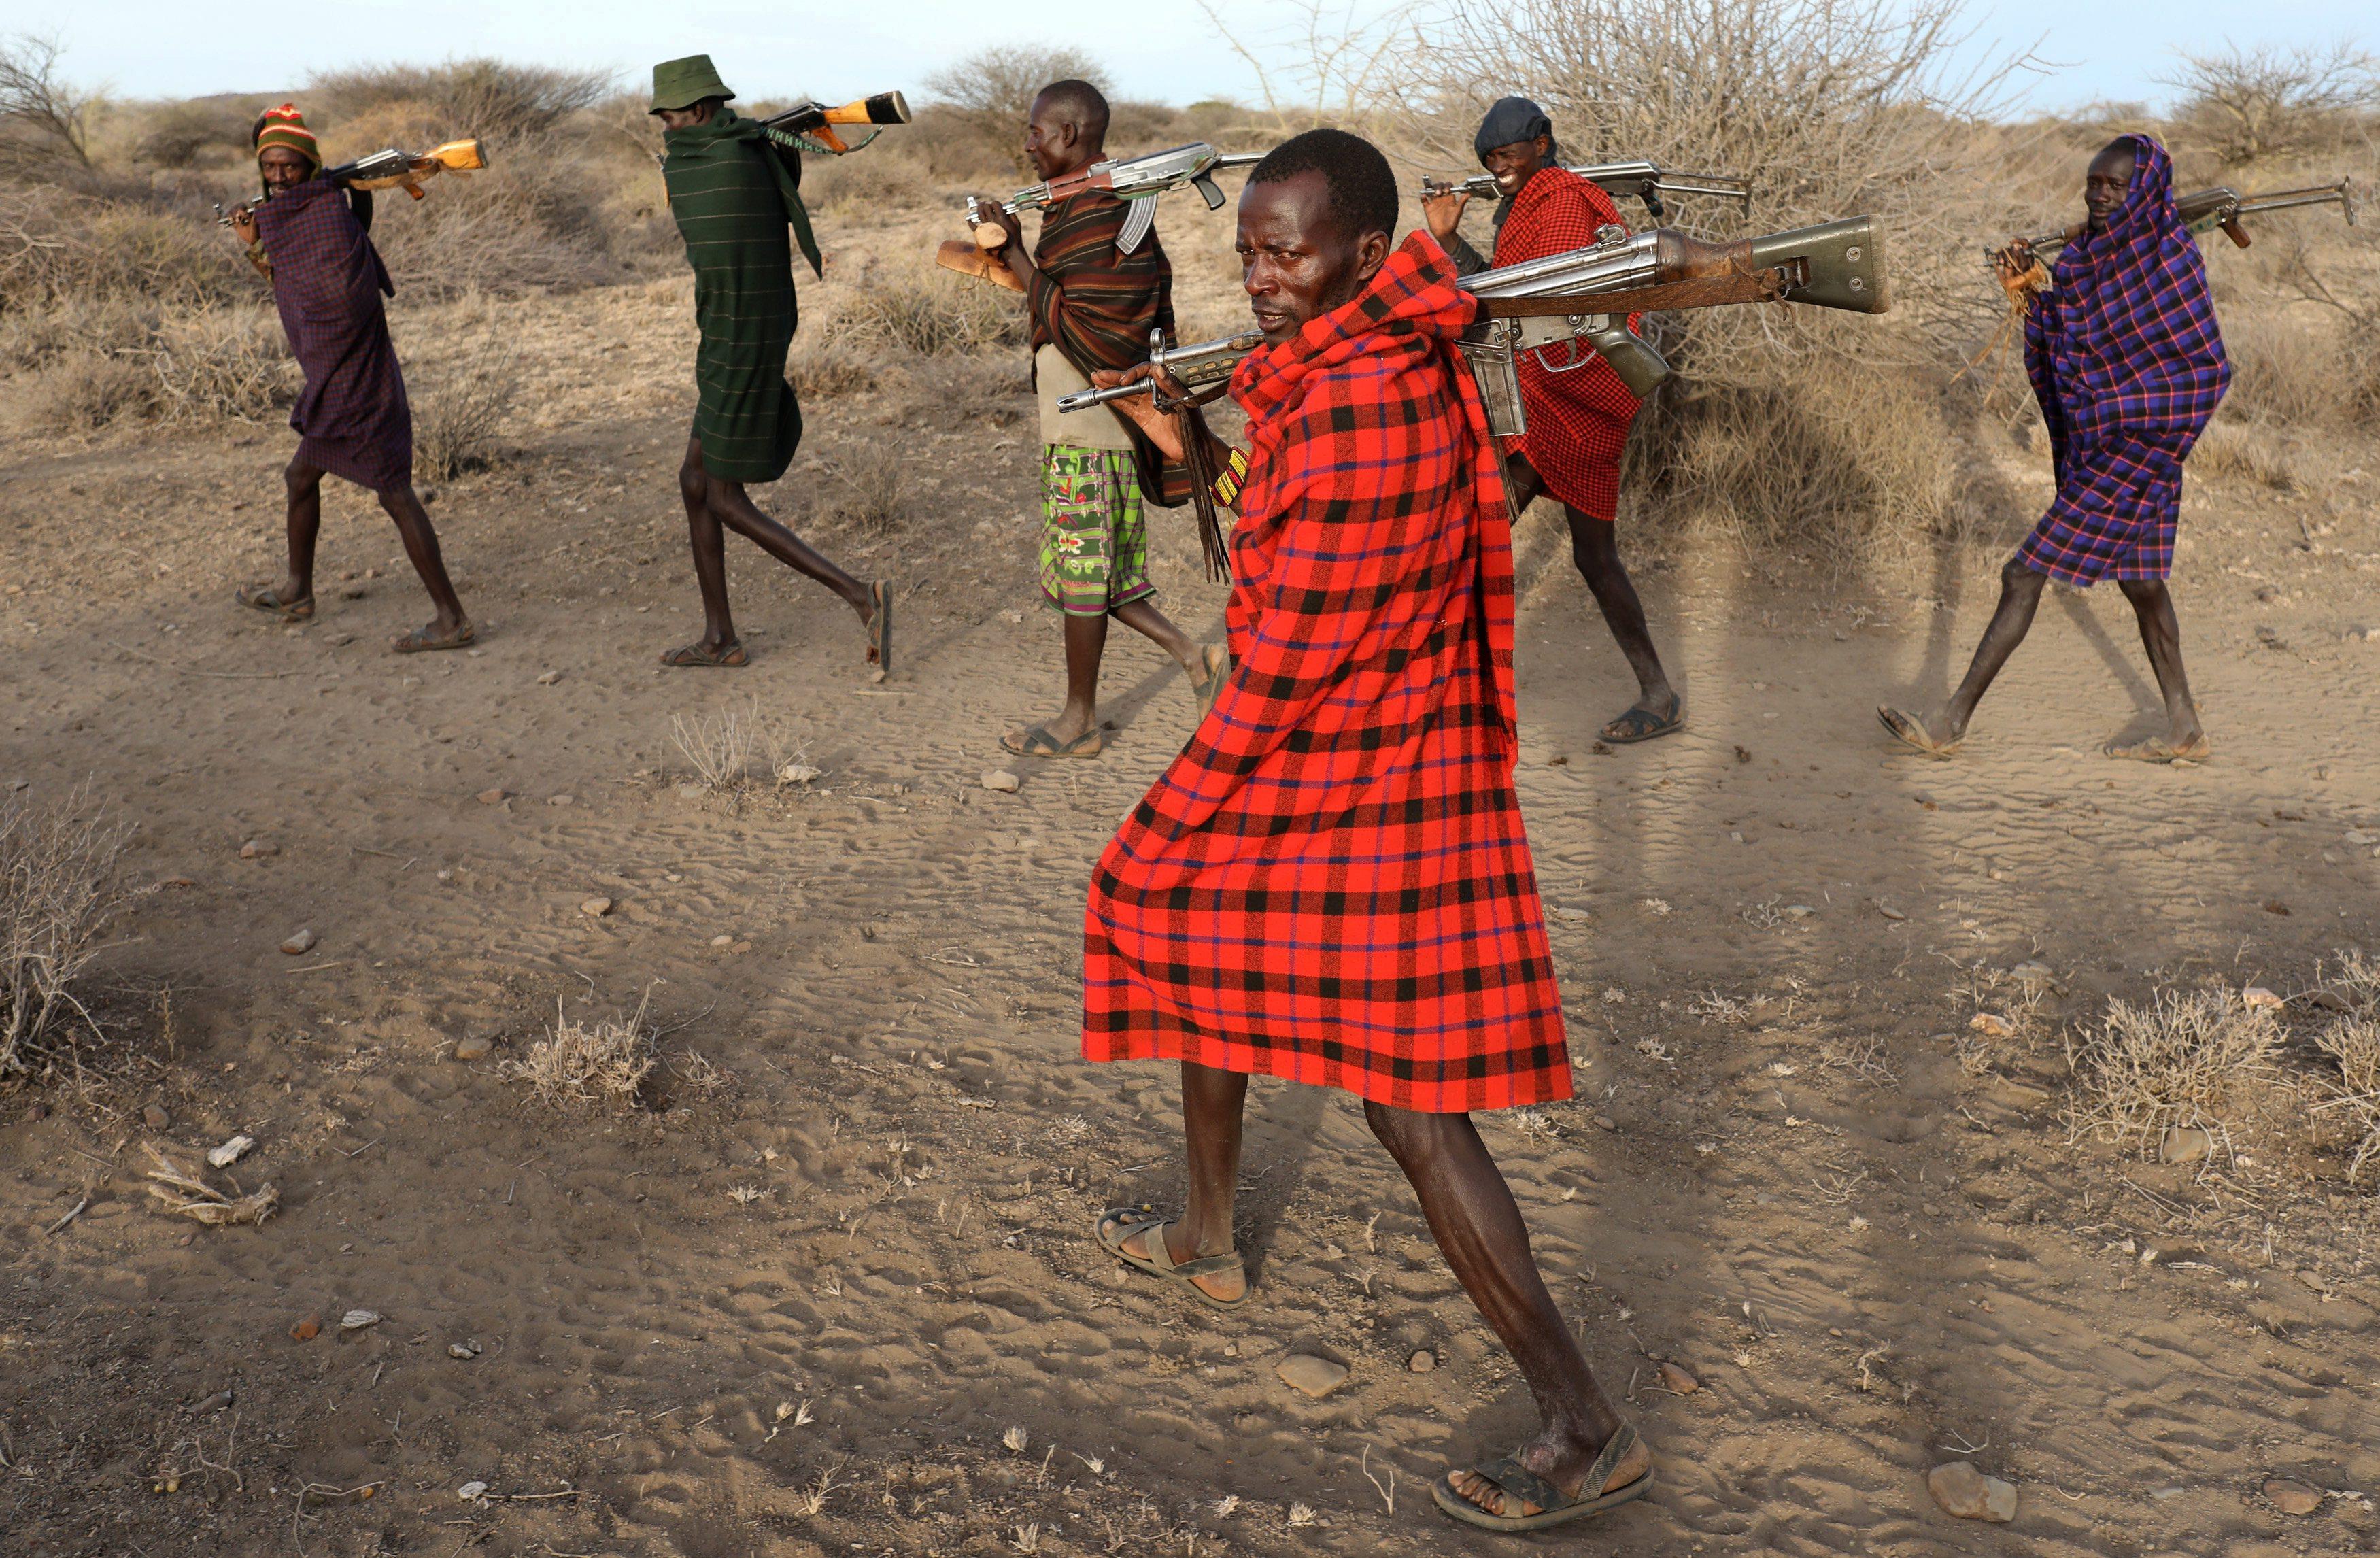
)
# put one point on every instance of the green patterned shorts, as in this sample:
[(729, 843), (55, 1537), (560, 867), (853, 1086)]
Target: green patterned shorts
[(1094, 538)]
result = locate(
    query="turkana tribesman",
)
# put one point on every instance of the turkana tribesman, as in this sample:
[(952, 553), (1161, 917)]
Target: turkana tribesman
[(2128, 365), (1096, 283), (314, 239), (1331, 885), (735, 188), (1578, 418)]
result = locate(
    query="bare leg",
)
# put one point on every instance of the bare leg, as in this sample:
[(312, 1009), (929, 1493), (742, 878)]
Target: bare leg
[(1479, 1229), (1087, 640), (2020, 598), (413, 526), (1213, 1105), (709, 545), (304, 525), (2161, 637), (739, 513), (1143, 617), (1593, 546)]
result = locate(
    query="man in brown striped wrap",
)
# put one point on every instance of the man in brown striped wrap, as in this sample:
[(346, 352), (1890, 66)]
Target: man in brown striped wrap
[(1095, 285)]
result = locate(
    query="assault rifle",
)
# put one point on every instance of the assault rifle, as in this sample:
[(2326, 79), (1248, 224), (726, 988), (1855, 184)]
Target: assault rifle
[(817, 120), (2204, 210), (1194, 165), (393, 169), (1646, 180), (1586, 295)]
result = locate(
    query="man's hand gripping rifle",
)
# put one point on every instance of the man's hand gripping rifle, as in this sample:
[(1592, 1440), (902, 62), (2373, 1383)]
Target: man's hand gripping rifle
[(1648, 181), (1586, 295)]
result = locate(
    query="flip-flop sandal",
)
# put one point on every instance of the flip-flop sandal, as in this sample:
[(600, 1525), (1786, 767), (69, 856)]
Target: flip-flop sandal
[(879, 626), (1205, 688), (1906, 729), (419, 641), (1642, 725), (1554, 1508), (1038, 743), (2157, 748), (698, 654), (267, 598), (1119, 1223)]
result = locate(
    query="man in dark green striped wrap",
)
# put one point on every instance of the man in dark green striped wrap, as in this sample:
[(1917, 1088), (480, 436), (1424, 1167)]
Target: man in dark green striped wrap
[(735, 189)]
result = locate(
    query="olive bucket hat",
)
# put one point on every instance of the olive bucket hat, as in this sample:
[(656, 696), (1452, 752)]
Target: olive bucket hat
[(682, 83)]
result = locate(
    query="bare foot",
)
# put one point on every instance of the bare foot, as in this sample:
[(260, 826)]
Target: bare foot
[(1564, 1464)]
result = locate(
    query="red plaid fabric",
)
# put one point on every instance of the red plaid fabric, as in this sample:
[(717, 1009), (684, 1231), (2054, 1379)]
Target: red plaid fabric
[(352, 418), (2127, 362), (1332, 884), (1578, 420)]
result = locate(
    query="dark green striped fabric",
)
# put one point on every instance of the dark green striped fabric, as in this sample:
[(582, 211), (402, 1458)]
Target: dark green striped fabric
[(734, 193)]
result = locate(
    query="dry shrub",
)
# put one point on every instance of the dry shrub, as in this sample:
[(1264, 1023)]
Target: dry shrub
[(866, 497), (58, 246), (719, 745), (2251, 104), (87, 392), (92, 366), (985, 98), (925, 310), (823, 365), (1842, 453), (230, 364), (603, 1061), (2286, 368), (459, 414), (2246, 452), (489, 98), (2354, 1042), (2184, 1058), (57, 889)]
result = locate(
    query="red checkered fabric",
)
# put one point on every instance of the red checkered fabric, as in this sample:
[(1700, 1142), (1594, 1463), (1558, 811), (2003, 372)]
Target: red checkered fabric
[(1578, 419), (1332, 884)]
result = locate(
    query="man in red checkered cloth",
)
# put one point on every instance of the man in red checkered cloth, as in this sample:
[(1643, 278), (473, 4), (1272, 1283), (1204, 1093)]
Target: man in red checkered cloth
[(1332, 884), (1578, 417)]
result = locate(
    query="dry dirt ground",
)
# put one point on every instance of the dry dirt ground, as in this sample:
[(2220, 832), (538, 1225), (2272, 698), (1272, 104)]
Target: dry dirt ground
[(829, 1287)]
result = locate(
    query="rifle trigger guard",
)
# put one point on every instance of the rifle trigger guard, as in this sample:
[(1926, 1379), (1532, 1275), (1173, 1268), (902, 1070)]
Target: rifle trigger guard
[(1579, 356)]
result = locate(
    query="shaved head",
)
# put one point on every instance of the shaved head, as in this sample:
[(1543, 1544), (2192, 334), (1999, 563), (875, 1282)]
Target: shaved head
[(1078, 103)]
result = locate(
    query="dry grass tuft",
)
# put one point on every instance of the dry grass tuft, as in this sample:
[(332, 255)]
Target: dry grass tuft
[(458, 415), (2184, 1058), (2246, 452), (719, 745), (57, 889), (923, 311), (866, 497), (2353, 1040), (604, 1060)]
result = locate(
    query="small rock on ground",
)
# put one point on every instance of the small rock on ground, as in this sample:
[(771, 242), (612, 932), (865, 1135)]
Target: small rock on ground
[(1679, 1380), (2292, 1497), (476, 1047), (256, 848), (2184, 1144), (303, 942), (306, 1329), (1423, 1361), (1316, 1377), (597, 907), (561, 800), (549, 678), (1000, 779), (155, 1118), (493, 798), (1962, 1491)]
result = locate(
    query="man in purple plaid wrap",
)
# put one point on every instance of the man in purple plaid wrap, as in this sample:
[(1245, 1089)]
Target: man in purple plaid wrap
[(2128, 365), (313, 239)]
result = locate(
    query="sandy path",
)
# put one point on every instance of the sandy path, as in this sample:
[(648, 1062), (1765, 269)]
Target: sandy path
[(1785, 1170)]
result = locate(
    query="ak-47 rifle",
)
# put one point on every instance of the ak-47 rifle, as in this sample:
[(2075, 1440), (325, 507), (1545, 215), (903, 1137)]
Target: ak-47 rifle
[(1583, 295), (1648, 181), (2205, 209), (393, 169), (1194, 165), (818, 120)]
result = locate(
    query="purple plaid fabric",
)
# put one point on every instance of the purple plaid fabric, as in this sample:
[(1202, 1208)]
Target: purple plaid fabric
[(2128, 365), (352, 419)]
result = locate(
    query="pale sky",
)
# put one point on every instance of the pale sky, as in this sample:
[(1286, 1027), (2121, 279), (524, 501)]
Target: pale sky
[(1160, 49)]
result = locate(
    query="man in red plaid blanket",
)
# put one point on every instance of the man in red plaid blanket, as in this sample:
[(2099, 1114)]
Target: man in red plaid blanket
[(1332, 884), (1578, 417)]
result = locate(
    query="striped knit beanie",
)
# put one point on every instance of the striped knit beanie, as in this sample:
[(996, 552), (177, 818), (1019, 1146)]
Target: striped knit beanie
[(285, 127)]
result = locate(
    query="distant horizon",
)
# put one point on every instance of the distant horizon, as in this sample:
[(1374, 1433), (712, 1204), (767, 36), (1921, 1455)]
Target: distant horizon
[(142, 49)]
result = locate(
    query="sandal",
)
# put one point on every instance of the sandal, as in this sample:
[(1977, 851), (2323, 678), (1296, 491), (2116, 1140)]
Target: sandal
[(1036, 742), (423, 639), (1642, 725), (1119, 1223), (703, 654), (2157, 748), (267, 598), (1216, 662), (880, 627), (1909, 732), (1554, 1508)]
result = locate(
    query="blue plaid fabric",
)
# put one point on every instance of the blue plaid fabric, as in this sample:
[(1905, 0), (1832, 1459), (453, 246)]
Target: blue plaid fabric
[(2128, 365)]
